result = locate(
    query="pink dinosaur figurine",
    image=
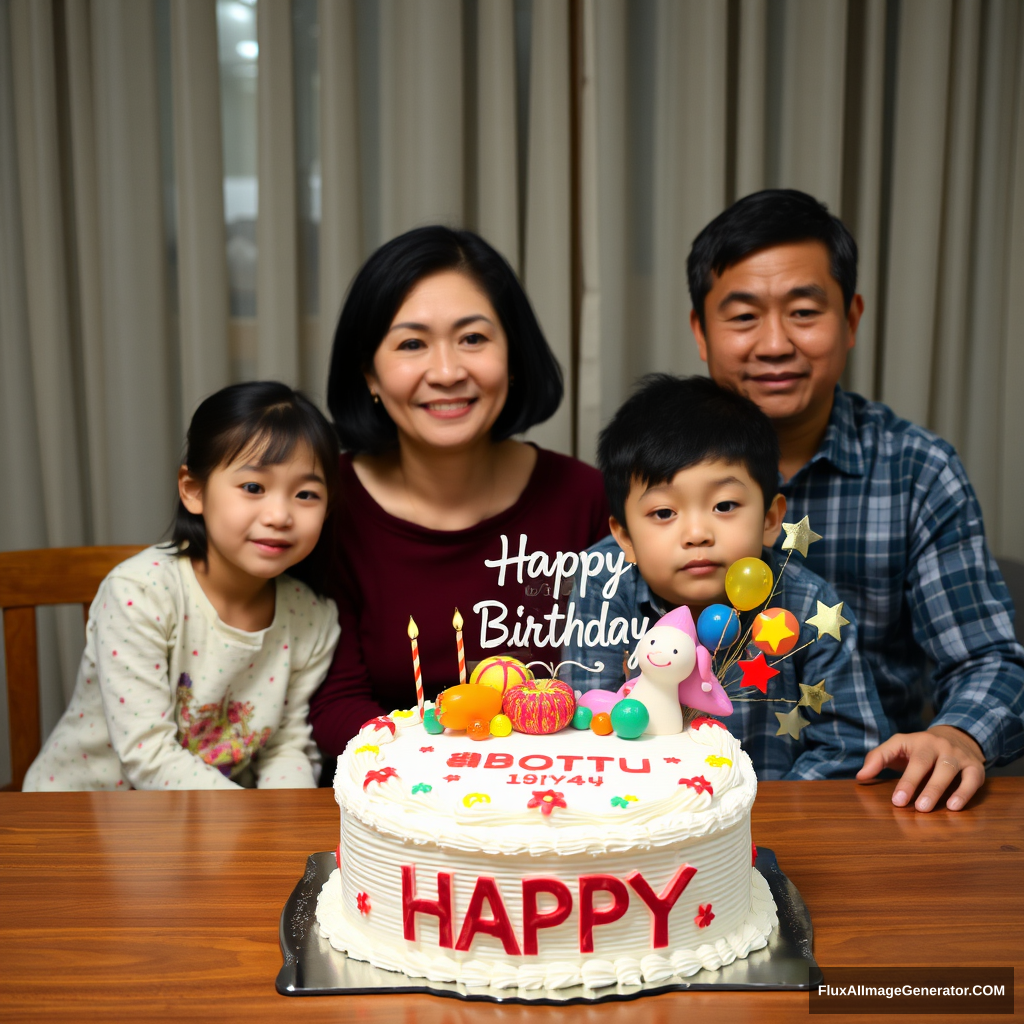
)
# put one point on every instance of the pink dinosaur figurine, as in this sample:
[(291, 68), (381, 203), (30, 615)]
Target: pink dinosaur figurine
[(700, 689)]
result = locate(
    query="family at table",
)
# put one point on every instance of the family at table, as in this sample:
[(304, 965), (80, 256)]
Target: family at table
[(248, 648)]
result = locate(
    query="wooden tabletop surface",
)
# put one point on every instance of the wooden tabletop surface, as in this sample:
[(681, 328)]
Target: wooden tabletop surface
[(165, 906)]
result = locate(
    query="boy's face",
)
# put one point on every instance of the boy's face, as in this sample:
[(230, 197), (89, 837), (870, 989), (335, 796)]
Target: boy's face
[(684, 534)]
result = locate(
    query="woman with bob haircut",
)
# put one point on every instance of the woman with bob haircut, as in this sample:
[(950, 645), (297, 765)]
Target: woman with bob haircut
[(438, 361)]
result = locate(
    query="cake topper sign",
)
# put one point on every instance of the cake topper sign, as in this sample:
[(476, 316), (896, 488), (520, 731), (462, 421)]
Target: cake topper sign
[(563, 566), (555, 628)]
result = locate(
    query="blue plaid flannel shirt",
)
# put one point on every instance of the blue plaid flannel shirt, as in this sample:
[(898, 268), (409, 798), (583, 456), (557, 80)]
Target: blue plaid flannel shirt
[(904, 547), (832, 746)]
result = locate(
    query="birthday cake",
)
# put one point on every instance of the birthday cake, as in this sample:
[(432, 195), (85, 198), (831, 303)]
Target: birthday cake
[(545, 861)]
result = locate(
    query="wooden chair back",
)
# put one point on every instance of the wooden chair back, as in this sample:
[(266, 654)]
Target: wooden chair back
[(29, 579)]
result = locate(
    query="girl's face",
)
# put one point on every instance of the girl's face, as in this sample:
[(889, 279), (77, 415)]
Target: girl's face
[(259, 519), (441, 371)]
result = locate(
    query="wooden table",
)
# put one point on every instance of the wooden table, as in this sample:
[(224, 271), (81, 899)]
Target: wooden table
[(165, 906)]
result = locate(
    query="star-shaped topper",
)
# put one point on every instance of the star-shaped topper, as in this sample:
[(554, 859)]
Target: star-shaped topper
[(772, 631), (791, 723), (757, 673), (799, 536), (813, 696), (828, 620)]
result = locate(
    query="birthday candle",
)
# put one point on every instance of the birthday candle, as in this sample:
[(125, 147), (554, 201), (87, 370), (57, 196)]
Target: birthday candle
[(414, 632), (457, 623)]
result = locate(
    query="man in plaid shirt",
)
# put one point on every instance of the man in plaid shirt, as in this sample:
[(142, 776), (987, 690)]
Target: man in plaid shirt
[(775, 312)]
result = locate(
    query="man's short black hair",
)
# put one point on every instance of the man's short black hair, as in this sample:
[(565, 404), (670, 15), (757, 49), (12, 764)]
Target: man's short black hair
[(377, 293), (776, 216), (671, 423)]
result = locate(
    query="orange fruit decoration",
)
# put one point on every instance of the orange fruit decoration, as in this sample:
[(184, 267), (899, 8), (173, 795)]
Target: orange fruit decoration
[(479, 729), (602, 724), (539, 705), (500, 672), (459, 706)]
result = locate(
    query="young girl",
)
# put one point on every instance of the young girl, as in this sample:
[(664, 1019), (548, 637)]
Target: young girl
[(201, 655)]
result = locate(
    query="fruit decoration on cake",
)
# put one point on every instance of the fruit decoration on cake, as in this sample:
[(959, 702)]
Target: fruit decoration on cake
[(500, 672), (461, 705), (539, 706)]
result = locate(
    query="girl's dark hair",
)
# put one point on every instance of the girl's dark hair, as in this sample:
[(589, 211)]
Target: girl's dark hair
[(774, 216), (267, 420), (375, 297), (672, 423)]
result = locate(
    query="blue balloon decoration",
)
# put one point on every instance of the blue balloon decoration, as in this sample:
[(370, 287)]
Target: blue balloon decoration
[(718, 627)]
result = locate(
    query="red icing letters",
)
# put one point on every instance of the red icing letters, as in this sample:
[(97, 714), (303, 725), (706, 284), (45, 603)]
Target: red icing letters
[(644, 767), (660, 905), (498, 761), (533, 919), (590, 916), (568, 760), (497, 925), (545, 762), (600, 762), (463, 759), (441, 908)]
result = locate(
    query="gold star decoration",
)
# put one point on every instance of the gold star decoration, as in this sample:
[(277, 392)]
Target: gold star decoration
[(799, 536), (813, 696), (828, 620), (791, 723), (773, 631)]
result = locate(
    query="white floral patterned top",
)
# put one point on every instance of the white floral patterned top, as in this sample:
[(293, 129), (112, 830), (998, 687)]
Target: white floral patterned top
[(169, 697)]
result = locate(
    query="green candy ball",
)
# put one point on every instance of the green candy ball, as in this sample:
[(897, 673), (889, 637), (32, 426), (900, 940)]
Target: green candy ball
[(581, 719), (431, 724), (629, 719)]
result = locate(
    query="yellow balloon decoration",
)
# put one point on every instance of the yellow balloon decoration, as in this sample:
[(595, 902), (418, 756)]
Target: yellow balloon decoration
[(748, 583)]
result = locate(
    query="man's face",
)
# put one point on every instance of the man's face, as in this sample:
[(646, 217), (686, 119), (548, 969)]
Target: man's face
[(775, 330)]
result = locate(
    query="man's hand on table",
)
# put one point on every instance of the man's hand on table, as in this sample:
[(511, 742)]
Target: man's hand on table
[(937, 755)]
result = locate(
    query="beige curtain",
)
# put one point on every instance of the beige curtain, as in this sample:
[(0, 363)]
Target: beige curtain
[(906, 117), (114, 313), (589, 140)]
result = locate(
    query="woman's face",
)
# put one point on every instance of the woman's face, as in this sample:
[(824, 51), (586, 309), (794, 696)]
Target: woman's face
[(441, 371)]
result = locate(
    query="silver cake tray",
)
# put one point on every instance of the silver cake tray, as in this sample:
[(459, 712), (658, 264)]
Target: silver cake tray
[(312, 967)]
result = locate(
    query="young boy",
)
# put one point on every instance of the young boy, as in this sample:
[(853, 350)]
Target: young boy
[(691, 472)]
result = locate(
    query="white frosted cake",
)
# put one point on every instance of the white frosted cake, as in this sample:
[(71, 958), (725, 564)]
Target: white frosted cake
[(545, 861)]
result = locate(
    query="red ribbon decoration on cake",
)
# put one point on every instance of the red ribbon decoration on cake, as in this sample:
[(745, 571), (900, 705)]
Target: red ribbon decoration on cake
[(382, 722), (704, 720), (699, 784), (379, 775)]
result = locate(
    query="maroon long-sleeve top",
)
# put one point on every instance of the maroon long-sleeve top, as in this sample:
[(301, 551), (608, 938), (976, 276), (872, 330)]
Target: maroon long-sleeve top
[(385, 569)]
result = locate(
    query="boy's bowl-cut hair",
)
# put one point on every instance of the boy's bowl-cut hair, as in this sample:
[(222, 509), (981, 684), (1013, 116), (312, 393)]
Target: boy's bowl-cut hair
[(671, 423), (377, 293), (775, 216)]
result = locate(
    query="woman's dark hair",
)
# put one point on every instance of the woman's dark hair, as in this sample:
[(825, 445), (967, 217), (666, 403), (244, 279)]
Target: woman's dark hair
[(671, 423), (376, 295), (775, 216), (266, 420)]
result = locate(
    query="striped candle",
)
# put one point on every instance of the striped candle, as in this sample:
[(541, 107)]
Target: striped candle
[(458, 624), (414, 632)]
